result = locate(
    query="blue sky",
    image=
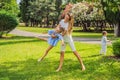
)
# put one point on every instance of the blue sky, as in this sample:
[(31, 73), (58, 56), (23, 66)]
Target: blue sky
[(18, 1)]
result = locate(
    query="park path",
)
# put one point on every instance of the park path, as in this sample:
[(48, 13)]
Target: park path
[(38, 35)]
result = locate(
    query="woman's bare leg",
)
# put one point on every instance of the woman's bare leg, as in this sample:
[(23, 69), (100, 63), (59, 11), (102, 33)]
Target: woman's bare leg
[(80, 60), (61, 61), (46, 52)]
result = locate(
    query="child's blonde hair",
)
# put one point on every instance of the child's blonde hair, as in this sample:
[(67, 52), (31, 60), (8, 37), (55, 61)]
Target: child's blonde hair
[(61, 29), (104, 32)]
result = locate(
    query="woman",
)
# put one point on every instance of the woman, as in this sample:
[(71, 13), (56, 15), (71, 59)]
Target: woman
[(67, 24)]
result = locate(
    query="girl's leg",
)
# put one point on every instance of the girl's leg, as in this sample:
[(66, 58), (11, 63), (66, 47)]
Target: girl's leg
[(46, 52), (101, 51), (44, 39), (61, 61), (79, 59), (104, 49)]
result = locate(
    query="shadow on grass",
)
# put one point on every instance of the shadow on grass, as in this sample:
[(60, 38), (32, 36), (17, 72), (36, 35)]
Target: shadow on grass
[(92, 56), (19, 39), (65, 52), (15, 37), (78, 50), (96, 69)]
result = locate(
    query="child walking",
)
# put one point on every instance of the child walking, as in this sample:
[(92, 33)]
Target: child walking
[(53, 41), (104, 43)]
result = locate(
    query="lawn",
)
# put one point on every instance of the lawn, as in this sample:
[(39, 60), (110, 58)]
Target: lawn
[(18, 61), (75, 32)]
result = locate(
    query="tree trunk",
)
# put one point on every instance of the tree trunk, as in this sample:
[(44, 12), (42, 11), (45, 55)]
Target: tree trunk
[(1, 33), (27, 24), (117, 29)]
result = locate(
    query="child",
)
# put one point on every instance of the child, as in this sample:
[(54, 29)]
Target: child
[(66, 10), (104, 43), (53, 41)]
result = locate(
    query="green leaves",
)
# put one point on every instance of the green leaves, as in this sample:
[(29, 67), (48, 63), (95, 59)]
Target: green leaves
[(116, 47), (88, 11), (111, 10), (7, 22), (9, 6), (40, 10)]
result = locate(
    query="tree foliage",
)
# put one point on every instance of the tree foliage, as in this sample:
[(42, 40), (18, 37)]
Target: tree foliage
[(45, 13), (116, 47), (112, 13), (39, 11), (24, 10), (89, 14), (7, 22), (88, 11), (10, 6), (111, 10)]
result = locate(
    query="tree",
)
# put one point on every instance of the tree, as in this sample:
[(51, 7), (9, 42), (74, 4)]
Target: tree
[(40, 10), (58, 7), (112, 13), (7, 22), (85, 13), (9, 6), (24, 11)]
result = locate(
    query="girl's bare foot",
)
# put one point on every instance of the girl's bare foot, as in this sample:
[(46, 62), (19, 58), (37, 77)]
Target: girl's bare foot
[(83, 68), (39, 60), (58, 70)]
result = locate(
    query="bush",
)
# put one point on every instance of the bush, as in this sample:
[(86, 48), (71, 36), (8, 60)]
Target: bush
[(7, 22), (116, 47)]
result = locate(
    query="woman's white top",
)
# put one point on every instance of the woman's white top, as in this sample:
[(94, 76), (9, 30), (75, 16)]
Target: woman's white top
[(66, 37), (64, 24)]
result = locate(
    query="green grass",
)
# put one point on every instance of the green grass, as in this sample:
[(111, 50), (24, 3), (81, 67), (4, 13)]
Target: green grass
[(90, 35), (76, 34), (18, 61), (34, 29)]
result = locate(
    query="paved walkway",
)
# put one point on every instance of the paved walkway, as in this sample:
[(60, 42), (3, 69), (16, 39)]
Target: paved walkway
[(32, 34)]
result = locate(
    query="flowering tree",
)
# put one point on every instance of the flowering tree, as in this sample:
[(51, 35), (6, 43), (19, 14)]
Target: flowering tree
[(85, 13), (88, 11)]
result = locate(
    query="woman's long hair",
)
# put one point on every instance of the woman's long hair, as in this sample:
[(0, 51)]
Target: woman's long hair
[(71, 23)]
